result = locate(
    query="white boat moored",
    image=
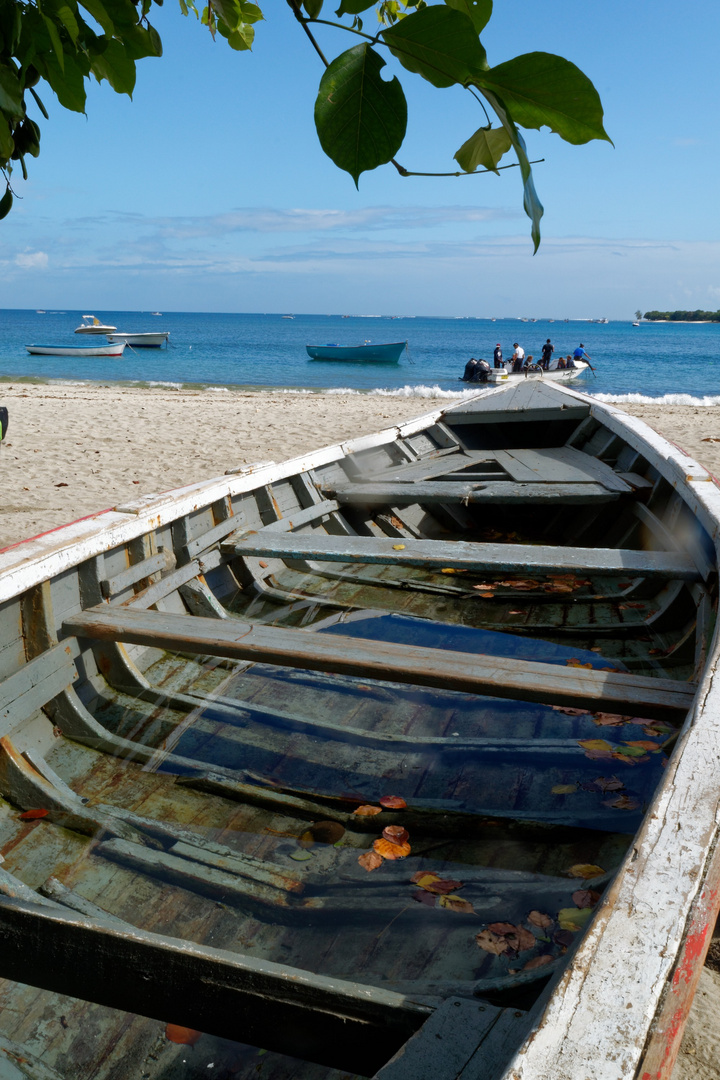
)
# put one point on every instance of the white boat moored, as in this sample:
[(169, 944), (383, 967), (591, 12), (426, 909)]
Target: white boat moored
[(143, 340), (116, 349), (92, 325)]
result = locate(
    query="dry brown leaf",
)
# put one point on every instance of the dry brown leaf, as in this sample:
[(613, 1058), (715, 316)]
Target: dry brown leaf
[(392, 802), (584, 898), (585, 870), (367, 811), (540, 919), (491, 942), (396, 834), (538, 961), (456, 903), (389, 850), (370, 860)]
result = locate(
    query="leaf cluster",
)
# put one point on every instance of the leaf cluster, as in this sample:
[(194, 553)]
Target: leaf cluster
[(360, 117)]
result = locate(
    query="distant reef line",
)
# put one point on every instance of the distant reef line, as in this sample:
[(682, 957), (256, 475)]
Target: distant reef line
[(682, 316)]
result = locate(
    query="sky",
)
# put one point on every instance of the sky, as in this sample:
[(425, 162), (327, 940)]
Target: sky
[(209, 190)]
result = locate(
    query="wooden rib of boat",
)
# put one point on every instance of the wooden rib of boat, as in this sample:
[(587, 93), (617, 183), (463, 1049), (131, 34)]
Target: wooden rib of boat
[(399, 758), (96, 349), (382, 353)]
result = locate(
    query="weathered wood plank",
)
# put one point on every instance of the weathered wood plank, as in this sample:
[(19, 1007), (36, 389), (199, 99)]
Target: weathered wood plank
[(492, 491), (332, 1021), (559, 465), (524, 680), (508, 558), (163, 560), (36, 683)]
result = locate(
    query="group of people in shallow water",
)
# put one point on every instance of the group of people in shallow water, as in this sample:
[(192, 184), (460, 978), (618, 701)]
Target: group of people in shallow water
[(478, 370)]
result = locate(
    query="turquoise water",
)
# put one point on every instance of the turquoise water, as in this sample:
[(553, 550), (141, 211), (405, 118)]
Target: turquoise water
[(262, 351)]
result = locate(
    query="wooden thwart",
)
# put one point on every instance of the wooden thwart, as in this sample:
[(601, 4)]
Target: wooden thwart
[(507, 558), (331, 1021), (493, 491), (473, 673)]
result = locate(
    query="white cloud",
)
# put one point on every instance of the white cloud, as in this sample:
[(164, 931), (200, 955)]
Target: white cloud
[(31, 260)]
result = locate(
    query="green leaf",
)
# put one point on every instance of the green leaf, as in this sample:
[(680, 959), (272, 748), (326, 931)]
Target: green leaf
[(100, 15), (360, 118), (531, 204), (236, 13), (313, 7), (141, 41), (6, 203), (540, 89), (68, 84), (65, 15), (55, 40), (10, 92), (354, 7), (7, 143), (485, 148), (438, 43), (241, 39), (116, 66), (478, 11)]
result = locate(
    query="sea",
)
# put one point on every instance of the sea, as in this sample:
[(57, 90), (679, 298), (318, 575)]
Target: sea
[(660, 362)]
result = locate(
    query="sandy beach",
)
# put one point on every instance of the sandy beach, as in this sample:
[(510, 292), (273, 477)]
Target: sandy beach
[(72, 450)]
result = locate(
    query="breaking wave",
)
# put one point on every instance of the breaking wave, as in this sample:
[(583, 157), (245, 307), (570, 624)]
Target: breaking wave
[(705, 402)]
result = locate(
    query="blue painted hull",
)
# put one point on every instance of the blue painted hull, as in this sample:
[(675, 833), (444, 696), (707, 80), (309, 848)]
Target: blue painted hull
[(384, 353)]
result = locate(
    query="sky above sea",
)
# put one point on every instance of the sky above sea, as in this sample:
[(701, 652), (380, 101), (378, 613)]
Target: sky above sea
[(209, 191), (231, 352)]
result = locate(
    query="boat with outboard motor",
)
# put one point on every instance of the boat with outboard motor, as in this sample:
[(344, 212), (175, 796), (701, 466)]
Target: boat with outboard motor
[(398, 758), (92, 325)]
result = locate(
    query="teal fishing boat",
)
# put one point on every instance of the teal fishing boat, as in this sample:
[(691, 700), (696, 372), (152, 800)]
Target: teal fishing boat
[(398, 759), (386, 353)]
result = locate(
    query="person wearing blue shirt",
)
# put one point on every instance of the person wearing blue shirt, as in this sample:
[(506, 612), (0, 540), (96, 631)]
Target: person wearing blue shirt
[(580, 353)]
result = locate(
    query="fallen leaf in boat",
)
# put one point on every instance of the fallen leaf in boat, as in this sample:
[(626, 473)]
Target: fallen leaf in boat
[(398, 547), (607, 719), (388, 850), (646, 744), (596, 744), (423, 897), (370, 860), (516, 612), (322, 832), (538, 961), (609, 783), (301, 856), (456, 903), (433, 883), (522, 586), (367, 811), (628, 759), (485, 588), (585, 898), (261, 562), (502, 927), (632, 750), (623, 802), (33, 815), (574, 918), (559, 587), (491, 942), (184, 1036), (615, 669), (448, 570), (658, 727), (392, 802), (540, 919), (574, 662), (396, 834), (568, 710), (525, 938), (563, 937), (396, 522), (585, 870), (564, 789)]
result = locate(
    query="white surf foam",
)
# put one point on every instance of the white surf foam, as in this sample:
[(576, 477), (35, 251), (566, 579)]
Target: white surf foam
[(705, 402)]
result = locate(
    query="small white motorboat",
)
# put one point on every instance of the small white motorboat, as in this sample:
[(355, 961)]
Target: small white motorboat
[(115, 349), (92, 325), (143, 340)]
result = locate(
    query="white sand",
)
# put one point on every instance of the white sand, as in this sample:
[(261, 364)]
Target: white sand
[(74, 449)]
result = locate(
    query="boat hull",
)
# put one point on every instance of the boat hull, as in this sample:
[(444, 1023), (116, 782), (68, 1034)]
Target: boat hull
[(116, 349), (142, 341), (386, 353)]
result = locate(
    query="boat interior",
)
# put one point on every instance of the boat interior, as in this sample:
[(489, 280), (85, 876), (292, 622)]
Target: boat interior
[(480, 638)]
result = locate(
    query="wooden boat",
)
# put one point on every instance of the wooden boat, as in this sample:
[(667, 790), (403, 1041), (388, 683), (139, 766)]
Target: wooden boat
[(92, 325), (96, 349), (383, 353), (475, 651), (146, 340)]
